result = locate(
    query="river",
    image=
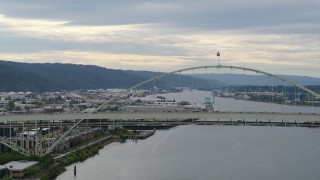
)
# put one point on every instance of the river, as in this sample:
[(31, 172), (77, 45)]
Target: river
[(232, 105), (209, 152), (212, 152)]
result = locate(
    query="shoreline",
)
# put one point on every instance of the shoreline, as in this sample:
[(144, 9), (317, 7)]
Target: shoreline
[(101, 143), (53, 165), (78, 155)]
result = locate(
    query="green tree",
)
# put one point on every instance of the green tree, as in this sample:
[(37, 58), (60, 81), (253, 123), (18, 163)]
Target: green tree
[(11, 105)]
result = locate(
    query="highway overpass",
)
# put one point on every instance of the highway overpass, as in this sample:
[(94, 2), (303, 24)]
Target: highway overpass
[(161, 116)]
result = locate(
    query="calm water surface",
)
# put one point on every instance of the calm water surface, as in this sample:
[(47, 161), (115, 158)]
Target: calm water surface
[(209, 152), (233, 105)]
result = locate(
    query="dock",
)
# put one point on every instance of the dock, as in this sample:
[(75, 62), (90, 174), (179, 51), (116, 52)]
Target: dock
[(144, 134)]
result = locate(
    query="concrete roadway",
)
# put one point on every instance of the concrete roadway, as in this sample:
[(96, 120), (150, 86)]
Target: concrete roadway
[(162, 116)]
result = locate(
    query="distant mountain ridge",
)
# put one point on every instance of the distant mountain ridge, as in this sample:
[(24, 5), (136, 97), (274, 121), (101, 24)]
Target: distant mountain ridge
[(257, 80), (38, 77)]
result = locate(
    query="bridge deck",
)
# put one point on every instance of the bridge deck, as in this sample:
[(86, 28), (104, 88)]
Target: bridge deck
[(198, 115)]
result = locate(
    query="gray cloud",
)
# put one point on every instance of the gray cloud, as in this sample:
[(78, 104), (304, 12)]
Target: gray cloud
[(248, 32), (204, 14)]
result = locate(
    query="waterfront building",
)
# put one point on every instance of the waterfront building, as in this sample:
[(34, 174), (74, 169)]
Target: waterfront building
[(18, 168)]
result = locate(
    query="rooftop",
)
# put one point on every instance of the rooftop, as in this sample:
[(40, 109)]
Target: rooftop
[(19, 165)]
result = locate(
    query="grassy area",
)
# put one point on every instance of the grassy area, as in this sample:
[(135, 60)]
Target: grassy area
[(79, 155), (122, 133)]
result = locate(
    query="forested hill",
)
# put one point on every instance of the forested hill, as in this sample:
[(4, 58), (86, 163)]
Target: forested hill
[(38, 77)]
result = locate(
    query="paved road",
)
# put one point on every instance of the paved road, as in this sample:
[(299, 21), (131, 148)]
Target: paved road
[(167, 115)]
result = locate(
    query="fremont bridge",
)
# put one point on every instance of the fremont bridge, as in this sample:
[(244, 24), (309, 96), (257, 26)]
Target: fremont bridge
[(101, 117)]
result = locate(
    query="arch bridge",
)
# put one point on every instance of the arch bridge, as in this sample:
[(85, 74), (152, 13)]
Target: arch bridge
[(314, 94), (102, 107)]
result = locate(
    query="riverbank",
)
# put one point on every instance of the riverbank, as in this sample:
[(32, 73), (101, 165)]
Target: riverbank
[(101, 142), (208, 152), (78, 155), (92, 149), (51, 166)]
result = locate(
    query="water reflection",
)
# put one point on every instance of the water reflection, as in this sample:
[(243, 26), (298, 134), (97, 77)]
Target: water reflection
[(209, 152)]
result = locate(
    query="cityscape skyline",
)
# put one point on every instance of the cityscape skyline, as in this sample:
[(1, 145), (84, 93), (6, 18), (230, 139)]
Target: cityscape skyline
[(149, 89), (278, 37)]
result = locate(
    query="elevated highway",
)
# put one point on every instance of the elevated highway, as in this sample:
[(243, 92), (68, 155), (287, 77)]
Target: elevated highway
[(159, 116)]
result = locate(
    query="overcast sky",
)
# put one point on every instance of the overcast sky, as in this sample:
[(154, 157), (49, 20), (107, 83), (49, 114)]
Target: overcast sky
[(277, 36)]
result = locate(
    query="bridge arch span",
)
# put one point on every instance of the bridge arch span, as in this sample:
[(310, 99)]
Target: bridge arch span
[(314, 94), (101, 107)]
